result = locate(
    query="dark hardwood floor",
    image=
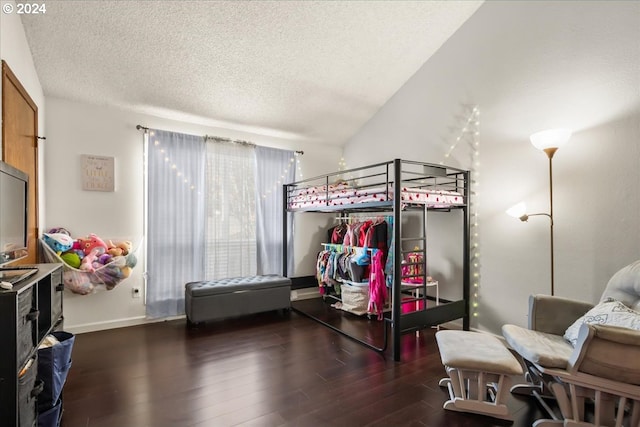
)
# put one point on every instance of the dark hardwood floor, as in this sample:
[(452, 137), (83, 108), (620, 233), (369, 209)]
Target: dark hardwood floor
[(270, 369)]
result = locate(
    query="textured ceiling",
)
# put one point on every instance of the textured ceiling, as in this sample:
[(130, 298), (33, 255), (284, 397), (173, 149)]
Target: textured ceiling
[(306, 70)]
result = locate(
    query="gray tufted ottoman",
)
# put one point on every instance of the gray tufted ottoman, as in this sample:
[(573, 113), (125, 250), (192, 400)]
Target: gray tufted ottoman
[(217, 299)]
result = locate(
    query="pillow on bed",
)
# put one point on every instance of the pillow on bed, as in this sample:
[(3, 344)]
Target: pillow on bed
[(608, 312)]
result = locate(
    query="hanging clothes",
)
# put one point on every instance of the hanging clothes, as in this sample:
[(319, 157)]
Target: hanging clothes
[(357, 253), (337, 233), (377, 286), (377, 236), (321, 265), (388, 269)]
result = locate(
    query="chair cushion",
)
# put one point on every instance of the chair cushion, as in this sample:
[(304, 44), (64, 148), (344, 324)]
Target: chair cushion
[(476, 352), (609, 352), (624, 286), (609, 312), (547, 350)]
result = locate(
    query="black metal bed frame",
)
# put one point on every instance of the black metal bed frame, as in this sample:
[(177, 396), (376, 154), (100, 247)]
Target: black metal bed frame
[(396, 174)]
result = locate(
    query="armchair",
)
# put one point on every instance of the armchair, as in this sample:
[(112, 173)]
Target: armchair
[(602, 368)]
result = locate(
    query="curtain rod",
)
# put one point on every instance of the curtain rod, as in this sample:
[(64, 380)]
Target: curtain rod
[(220, 139)]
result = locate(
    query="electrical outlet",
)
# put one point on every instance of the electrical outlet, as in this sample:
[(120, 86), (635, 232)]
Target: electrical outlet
[(135, 292)]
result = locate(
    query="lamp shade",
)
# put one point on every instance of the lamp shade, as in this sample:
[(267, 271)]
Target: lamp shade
[(517, 210), (552, 138)]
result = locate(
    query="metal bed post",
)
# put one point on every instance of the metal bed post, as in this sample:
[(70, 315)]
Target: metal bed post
[(466, 294), (425, 270), (397, 267), (285, 231)]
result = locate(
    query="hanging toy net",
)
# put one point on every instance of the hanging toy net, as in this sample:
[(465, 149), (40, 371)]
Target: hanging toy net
[(86, 276)]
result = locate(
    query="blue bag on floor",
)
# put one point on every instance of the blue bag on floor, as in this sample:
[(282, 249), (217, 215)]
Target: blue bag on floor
[(50, 417), (53, 366)]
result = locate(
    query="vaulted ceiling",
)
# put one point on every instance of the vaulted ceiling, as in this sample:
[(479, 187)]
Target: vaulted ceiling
[(312, 71)]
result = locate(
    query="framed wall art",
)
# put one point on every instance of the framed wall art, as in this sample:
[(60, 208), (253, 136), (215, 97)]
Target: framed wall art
[(97, 173)]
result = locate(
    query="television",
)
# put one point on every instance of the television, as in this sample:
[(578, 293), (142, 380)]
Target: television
[(14, 187)]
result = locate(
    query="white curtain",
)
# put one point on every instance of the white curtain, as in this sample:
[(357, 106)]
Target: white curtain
[(231, 210), (214, 210), (175, 219), (274, 168)]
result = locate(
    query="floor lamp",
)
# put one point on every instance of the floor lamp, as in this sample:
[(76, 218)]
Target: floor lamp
[(548, 141)]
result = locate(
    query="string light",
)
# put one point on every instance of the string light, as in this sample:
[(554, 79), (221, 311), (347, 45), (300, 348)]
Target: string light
[(276, 188), (470, 127), (469, 135), (342, 165), (473, 128), (182, 176), (299, 174)]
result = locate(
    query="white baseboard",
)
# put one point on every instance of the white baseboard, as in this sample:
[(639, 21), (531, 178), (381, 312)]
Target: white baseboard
[(114, 324), (305, 293), (299, 294)]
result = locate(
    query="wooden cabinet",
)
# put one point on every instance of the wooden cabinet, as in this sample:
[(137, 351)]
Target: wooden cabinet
[(28, 312)]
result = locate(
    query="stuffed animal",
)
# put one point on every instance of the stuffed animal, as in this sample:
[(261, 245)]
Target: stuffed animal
[(59, 230), (59, 242), (110, 275), (126, 271), (119, 261), (77, 250), (105, 259), (92, 242), (87, 261), (119, 248), (114, 252), (131, 260), (71, 258), (77, 282)]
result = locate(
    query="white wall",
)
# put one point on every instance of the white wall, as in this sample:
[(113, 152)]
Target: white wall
[(15, 51), (85, 129), (532, 66), (77, 128)]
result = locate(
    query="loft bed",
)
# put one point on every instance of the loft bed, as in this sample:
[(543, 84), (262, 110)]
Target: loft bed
[(421, 187)]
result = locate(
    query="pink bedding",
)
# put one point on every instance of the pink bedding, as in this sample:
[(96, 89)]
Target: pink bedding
[(342, 195)]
